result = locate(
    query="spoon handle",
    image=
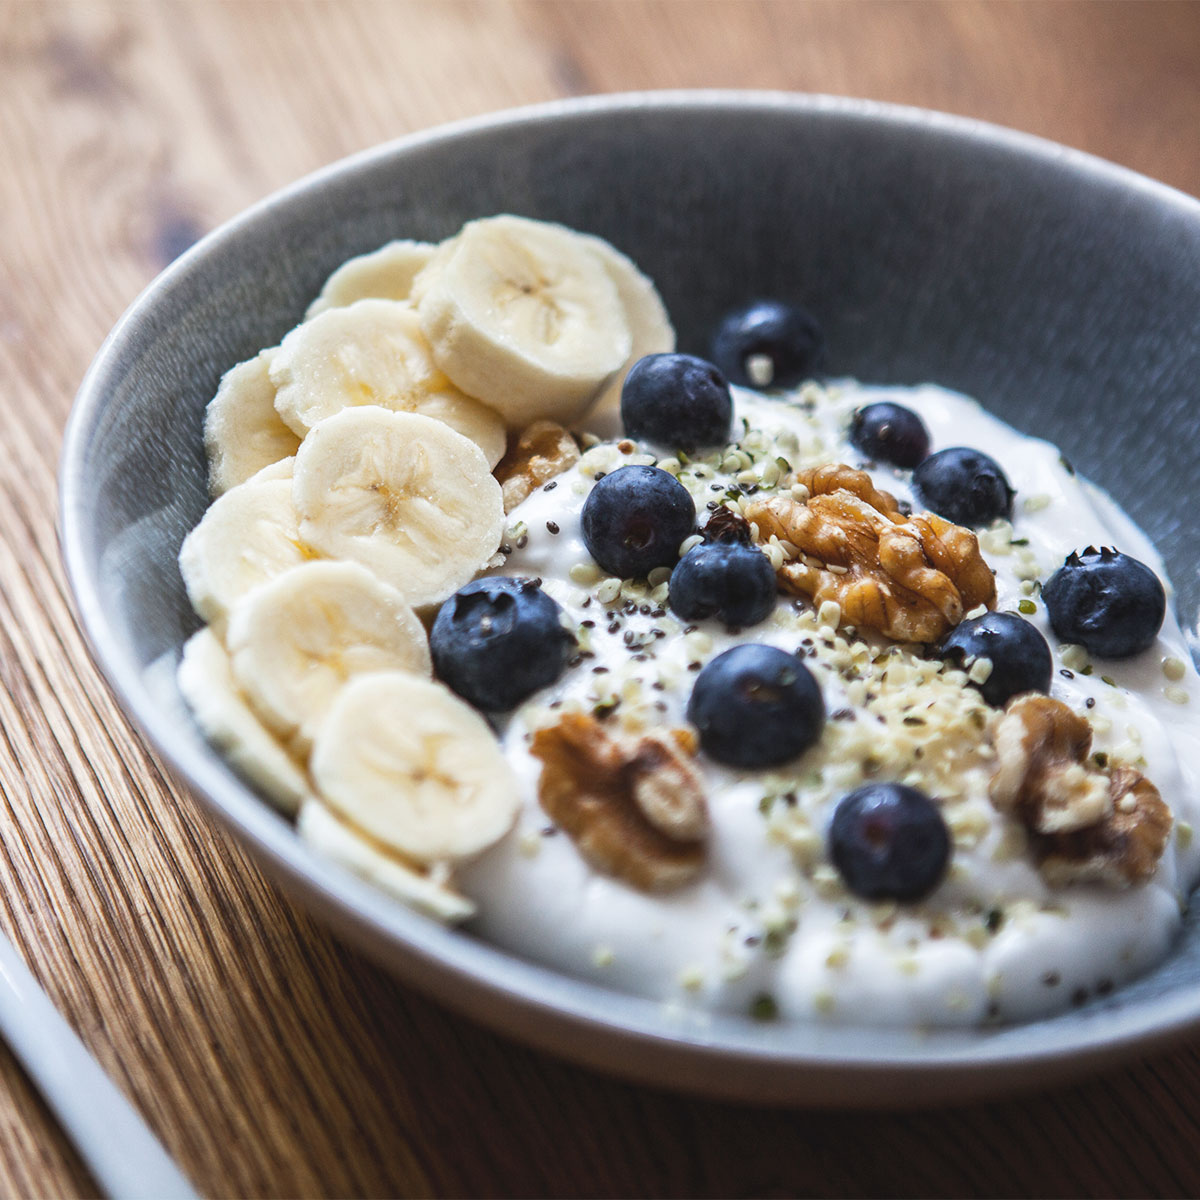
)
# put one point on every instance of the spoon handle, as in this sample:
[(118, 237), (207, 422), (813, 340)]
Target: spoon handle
[(121, 1152)]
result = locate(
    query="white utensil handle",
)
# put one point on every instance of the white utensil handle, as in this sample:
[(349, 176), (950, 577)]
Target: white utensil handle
[(121, 1152)]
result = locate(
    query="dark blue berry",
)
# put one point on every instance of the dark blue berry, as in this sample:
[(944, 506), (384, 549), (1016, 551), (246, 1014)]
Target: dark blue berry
[(1107, 602), (890, 433), (498, 640), (676, 400), (786, 336), (964, 486), (724, 579), (634, 519), (756, 706), (889, 842), (1019, 655), (725, 525)]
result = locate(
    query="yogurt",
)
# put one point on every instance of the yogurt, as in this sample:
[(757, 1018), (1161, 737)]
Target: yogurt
[(768, 929)]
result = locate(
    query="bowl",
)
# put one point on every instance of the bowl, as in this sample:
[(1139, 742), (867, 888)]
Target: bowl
[(1060, 290)]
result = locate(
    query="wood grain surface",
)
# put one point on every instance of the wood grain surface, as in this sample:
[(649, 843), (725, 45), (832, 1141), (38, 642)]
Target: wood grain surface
[(270, 1059)]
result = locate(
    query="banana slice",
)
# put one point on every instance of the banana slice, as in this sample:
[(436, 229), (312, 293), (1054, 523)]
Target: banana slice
[(402, 494), (242, 430), (649, 326), (385, 274), (207, 683), (247, 536), (277, 470), (523, 315), (407, 762), (331, 837), (373, 352), (296, 640)]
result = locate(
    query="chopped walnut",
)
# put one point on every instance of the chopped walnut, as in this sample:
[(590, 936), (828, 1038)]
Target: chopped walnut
[(634, 806), (1086, 823), (1123, 849), (1043, 777), (541, 451), (912, 578)]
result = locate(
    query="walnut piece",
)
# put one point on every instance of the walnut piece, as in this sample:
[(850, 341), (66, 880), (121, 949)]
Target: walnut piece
[(1123, 849), (912, 578), (634, 806), (1043, 776), (1086, 823), (541, 451)]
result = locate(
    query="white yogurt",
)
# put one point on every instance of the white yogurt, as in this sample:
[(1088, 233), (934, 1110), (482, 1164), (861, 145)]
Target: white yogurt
[(768, 928)]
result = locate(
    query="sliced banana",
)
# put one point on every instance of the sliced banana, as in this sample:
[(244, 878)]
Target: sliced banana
[(296, 640), (402, 494), (524, 316), (331, 837), (247, 536), (207, 683), (385, 274), (649, 326), (373, 352), (406, 761), (277, 470), (242, 431)]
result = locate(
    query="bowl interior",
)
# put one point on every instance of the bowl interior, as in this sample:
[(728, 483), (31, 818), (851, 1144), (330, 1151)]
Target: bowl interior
[(931, 250)]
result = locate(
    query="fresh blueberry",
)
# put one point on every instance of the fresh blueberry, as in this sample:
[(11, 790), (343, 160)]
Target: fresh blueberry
[(756, 706), (724, 579), (768, 344), (1107, 602), (725, 525), (890, 433), (964, 486), (498, 640), (1018, 653), (635, 518), (889, 842), (676, 400)]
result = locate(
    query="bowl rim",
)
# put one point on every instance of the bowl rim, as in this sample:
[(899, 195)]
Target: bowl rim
[(723, 1054)]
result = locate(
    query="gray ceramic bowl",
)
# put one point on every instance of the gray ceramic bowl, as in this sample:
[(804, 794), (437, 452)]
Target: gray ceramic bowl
[(1060, 290)]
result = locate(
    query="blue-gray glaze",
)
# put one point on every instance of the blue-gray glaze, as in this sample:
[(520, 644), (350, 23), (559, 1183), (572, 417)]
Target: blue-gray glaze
[(1062, 292)]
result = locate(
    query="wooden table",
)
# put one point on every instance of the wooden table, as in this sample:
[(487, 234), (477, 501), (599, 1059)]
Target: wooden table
[(270, 1059)]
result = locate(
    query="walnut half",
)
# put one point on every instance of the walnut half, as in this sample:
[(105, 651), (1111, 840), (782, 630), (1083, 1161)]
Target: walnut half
[(912, 578), (1042, 776), (541, 451), (1086, 823), (634, 806)]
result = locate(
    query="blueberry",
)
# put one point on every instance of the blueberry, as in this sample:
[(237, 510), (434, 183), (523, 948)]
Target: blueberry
[(1018, 653), (724, 579), (635, 518), (964, 486), (676, 400), (756, 706), (768, 344), (725, 525), (889, 842), (890, 433), (1107, 602), (498, 640)]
